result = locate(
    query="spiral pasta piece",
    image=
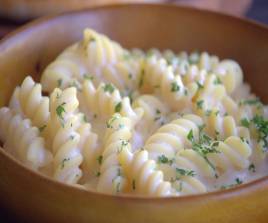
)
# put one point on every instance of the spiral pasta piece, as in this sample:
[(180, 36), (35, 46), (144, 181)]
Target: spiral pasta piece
[(67, 154), (118, 134), (142, 173), (23, 140), (28, 99), (63, 105), (65, 121), (222, 127), (105, 101), (155, 113), (159, 77), (89, 56), (172, 137), (232, 153), (124, 74), (210, 96)]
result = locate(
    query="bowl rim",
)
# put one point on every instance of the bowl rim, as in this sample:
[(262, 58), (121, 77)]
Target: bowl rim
[(7, 40)]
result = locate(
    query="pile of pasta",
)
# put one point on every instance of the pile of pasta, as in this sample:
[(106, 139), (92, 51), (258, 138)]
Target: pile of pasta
[(151, 123)]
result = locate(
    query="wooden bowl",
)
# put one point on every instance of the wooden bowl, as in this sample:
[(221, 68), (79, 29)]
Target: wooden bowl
[(28, 50), (28, 9)]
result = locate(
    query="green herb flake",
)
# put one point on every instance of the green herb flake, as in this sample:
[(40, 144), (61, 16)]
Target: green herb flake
[(130, 76), (60, 110), (174, 87), (164, 160), (64, 161), (141, 78), (252, 168), (238, 181), (88, 77), (199, 85), (42, 128), (185, 172), (98, 174), (92, 39), (190, 136), (262, 127), (252, 102), (133, 184), (84, 118), (99, 159), (200, 104), (217, 81), (245, 122), (108, 88), (110, 122), (204, 146), (158, 111), (118, 107), (59, 82)]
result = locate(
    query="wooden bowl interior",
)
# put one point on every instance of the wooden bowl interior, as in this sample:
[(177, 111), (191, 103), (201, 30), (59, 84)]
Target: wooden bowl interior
[(29, 50)]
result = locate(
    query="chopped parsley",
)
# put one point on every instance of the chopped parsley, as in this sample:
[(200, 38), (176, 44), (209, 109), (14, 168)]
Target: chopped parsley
[(133, 184), (217, 81), (252, 102), (130, 76), (141, 78), (199, 85), (158, 111), (200, 104), (84, 118), (59, 82), (238, 181), (88, 77), (185, 172), (123, 144), (252, 168), (42, 128), (245, 122), (204, 146), (98, 174), (164, 160), (118, 107), (64, 161), (99, 159), (60, 110), (108, 88), (92, 39), (110, 122), (262, 127), (174, 87)]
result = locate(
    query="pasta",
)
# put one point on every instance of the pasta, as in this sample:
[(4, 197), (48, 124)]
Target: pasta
[(28, 146), (138, 122)]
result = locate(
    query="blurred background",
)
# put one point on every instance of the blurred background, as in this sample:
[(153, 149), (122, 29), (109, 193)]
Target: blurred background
[(14, 13)]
